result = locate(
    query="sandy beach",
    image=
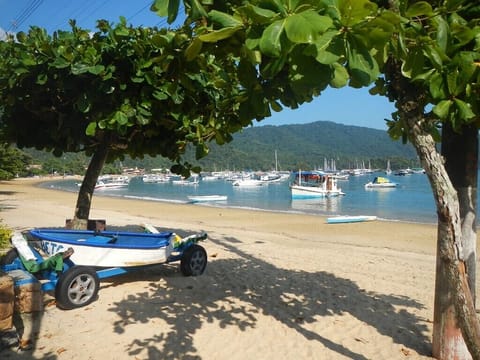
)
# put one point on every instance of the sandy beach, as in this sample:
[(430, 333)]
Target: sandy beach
[(277, 286)]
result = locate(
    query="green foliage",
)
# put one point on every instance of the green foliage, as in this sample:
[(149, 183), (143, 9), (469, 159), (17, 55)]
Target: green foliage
[(5, 235), (438, 47), (131, 89), (439, 50), (12, 162)]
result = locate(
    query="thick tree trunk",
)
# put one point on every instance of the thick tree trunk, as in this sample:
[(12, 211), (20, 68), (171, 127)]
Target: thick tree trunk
[(460, 151), (84, 200), (456, 330)]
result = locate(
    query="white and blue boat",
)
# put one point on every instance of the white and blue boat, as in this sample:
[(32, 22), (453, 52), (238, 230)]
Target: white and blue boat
[(350, 219), (86, 257), (114, 249), (314, 184)]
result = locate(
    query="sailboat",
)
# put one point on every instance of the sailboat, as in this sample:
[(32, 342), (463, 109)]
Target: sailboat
[(388, 171)]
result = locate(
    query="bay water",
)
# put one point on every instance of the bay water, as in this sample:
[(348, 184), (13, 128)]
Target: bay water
[(411, 201)]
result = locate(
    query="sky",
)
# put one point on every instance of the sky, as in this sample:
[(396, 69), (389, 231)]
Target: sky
[(344, 106)]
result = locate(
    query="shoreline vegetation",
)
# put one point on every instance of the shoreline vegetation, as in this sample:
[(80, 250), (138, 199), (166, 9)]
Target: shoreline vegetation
[(280, 285)]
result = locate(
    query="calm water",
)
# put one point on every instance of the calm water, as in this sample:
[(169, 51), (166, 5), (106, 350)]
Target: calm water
[(412, 200)]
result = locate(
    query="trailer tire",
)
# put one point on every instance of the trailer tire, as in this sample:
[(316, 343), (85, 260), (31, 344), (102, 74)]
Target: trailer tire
[(194, 261), (9, 257), (76, 287)]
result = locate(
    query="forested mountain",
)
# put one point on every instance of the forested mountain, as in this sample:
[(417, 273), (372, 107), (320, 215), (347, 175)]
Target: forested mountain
[(306, 146), (303, 146)]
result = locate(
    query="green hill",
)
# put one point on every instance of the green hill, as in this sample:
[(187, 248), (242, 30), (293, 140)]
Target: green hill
[(303, 146), (307, 145)]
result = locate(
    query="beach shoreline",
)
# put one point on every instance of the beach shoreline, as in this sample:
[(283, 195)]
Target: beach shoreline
[(277, 285)]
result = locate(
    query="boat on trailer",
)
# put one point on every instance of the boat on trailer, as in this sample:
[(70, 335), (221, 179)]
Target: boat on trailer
[(111, 248), (94, 255)]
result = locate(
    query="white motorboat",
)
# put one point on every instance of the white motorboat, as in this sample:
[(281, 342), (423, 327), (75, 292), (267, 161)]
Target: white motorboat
[(314, 184), (380, 182)]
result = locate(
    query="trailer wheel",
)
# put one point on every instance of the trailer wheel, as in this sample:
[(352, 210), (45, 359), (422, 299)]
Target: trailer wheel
[(194, 261), (76, 287), (9, 257)]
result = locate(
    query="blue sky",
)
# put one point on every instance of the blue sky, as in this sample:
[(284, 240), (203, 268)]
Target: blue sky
[(345, 106)]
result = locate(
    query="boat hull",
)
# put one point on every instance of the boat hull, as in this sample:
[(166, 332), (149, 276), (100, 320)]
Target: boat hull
[(207, 198), (310, 192), (380, 186), (108, 249), (350, 219)]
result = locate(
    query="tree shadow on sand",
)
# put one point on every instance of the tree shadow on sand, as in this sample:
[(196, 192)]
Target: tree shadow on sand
[(294, 298)]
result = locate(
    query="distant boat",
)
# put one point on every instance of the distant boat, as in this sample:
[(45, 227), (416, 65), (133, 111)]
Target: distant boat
[(193, 180), (380, 182), (418, 171), (112, 182), (206, 198), (155, 178), (248, 182), (402, 172), (314, 184), (389, 170), (350, 219)]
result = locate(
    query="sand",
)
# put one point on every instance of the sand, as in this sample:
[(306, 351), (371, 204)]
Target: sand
[(277, 286)]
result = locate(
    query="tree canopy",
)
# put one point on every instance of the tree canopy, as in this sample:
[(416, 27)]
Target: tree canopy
[(425, 56), (135, 90), (143, 91)]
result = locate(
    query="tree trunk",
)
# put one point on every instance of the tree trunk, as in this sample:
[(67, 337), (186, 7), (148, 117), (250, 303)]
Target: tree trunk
[(84, 200), (460, 151), (456, 330)]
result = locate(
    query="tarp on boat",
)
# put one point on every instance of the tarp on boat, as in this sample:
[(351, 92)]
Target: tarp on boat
[(381, 180)]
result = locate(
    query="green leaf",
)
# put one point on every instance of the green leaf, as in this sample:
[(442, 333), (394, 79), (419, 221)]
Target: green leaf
[(419, 8), (160, 7), (224, 19), (79, 68), (464, 109), (452, 77), (257, 14), (363, 67), (306, 26), (91, 128), (166, 8), (96, 70), (442, 33), (355, 11), (193, 49), (442, 109), (159, 95), (201, 151), (340, 76), (83, 104), (42, 79), (121, 31), (270, 42), (120, 118), (198, 10), (330, 48), (414, 64), (221, 34), (437, 87), (434, 55)]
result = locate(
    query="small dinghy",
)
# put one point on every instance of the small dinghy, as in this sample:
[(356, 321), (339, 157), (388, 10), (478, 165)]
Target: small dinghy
[(350, 219)]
